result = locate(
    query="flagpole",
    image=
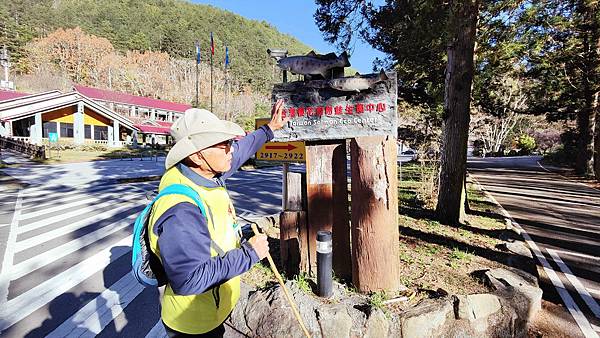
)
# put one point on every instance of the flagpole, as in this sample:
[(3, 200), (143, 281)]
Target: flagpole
[(197, 65), (212, 51), (227, 112)]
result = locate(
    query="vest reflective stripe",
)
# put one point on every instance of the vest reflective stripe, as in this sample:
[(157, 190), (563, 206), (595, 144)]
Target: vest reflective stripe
[(199, 313)]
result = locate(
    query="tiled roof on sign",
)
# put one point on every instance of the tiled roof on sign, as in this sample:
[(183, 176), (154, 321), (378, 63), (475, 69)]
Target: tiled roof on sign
[(111, 96)]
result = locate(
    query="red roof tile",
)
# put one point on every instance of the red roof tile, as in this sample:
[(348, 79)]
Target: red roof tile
[(110, 96), (146, 129), (10, 94), (164, 123)]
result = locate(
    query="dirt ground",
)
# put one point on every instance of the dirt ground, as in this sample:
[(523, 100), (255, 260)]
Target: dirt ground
[(438, 259)]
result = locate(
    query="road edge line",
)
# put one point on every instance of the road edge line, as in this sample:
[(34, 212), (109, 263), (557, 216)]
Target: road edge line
[(580, 288), (584, 325)]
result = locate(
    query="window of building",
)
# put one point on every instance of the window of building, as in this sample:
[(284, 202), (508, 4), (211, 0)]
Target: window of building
[(48, 127), (100, 133), (66, 129), (87, 131)]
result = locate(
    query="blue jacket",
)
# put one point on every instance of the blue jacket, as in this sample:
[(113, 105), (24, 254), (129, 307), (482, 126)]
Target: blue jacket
[(185, 225)]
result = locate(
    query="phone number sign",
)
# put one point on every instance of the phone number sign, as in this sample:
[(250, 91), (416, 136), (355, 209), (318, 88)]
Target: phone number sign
[(280, 151)]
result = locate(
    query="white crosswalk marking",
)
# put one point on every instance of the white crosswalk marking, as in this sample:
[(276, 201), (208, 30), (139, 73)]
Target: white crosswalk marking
[(33, 241), (7, 262), (158, 331), (96, 314), (21, 306), (74, 213), (26, 267), (49, 197), (65, 206), (87, 222)]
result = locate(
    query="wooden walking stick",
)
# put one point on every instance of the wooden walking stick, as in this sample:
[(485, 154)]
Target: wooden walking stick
[(285, 290)]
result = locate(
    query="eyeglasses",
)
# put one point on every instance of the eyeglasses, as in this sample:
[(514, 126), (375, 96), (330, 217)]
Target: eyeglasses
[(223, 145)]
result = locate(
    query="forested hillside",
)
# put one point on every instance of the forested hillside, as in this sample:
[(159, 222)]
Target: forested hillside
[(170, 26)]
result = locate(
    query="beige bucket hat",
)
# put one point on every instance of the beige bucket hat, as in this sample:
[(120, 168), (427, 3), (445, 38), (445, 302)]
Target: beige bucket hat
[(198, 129)]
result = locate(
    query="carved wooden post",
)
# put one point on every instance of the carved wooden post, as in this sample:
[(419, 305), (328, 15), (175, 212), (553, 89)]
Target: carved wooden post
[(327, 196), (293, 236), (375, 233)]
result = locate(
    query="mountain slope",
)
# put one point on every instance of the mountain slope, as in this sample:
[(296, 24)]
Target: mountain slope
[(171, 26)]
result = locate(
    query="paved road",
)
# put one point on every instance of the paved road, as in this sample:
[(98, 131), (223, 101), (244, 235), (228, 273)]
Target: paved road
[(562, 218), (65, 244)]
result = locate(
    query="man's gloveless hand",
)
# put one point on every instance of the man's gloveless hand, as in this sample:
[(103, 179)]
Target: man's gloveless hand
[(260, 245)]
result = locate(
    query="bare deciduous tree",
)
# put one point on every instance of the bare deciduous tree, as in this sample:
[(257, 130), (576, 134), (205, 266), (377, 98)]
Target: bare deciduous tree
[(493, 130)]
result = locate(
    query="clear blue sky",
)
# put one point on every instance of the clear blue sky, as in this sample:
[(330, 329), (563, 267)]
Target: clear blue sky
[(295, 17)]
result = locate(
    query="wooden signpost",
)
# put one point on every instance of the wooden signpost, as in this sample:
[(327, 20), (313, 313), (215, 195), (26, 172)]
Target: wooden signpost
[(325, 117)]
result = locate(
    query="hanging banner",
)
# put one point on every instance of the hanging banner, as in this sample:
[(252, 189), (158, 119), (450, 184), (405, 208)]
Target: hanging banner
[(339, 108)]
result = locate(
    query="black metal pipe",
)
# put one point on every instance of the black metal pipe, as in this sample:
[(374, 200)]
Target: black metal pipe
[(324, 259)]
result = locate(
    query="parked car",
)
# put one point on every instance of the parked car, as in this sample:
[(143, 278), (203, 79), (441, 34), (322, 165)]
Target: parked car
[(407, 156)]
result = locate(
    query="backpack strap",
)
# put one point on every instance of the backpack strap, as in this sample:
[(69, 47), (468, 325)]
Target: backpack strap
[(181, 189)]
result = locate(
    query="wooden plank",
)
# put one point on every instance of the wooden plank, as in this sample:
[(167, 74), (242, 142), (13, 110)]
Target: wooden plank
[(292, 237), (342, 256), (295, 194), (375, 235), (327, 207)]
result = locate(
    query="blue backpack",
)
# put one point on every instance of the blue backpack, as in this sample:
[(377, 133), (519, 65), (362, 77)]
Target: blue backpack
[(145, 265)]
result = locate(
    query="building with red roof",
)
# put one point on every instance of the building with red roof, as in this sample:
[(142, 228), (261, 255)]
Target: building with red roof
[(152, 118), (10, 94), (69, 117), (135, 106)]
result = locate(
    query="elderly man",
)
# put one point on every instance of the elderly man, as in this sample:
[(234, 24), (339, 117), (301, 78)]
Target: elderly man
[(201, 254)]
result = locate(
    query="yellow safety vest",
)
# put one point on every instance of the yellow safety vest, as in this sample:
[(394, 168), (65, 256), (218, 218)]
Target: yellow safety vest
[(195, 314)]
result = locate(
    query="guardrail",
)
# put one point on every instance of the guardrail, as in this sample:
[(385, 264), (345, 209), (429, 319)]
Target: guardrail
[(20, 145)]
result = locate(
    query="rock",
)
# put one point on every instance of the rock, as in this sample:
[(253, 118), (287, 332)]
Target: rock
[(519, 248), (427, 319), (483, 305), (519, 286), (236, 324), (268, 313), (462, 308), (377, 325), (335, 321), (476, 306)]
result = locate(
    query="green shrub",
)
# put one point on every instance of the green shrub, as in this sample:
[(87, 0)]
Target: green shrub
[(526, 144)]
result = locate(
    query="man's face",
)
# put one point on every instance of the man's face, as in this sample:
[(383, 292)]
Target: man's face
[(219, 156)]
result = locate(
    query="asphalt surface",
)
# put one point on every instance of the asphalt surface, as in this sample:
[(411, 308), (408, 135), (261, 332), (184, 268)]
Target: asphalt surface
[(562, 218), (65, 243)]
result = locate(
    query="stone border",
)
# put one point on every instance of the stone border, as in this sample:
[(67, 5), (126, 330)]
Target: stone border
[(505, 312)]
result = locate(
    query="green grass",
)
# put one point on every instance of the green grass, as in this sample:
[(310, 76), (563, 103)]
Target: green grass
[(302, 280), (459, 255), (259, 276), (74, 155), (377, 299)]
